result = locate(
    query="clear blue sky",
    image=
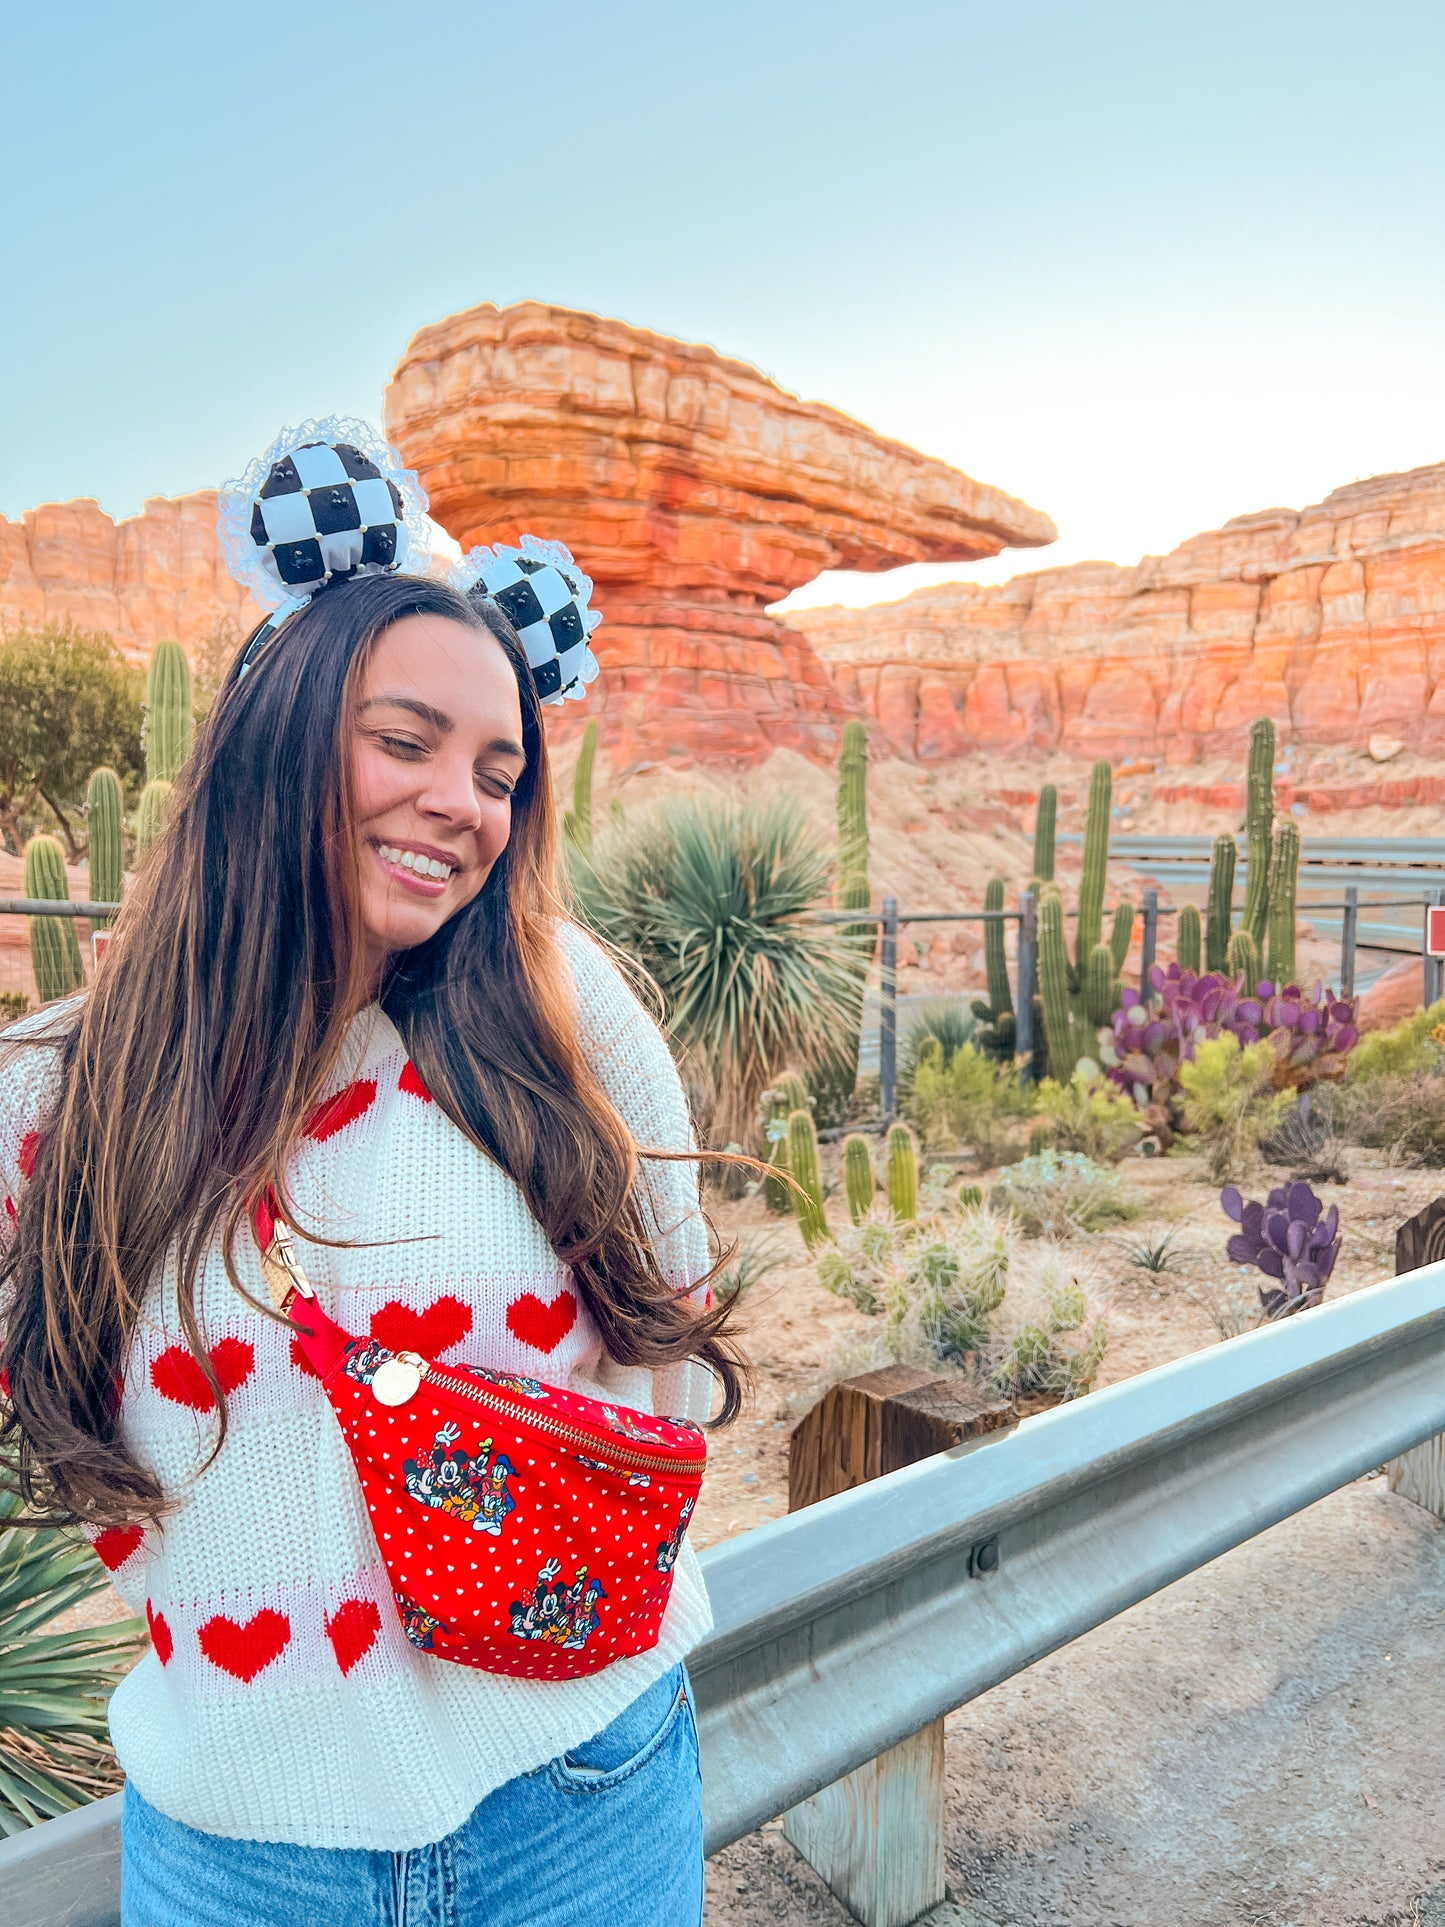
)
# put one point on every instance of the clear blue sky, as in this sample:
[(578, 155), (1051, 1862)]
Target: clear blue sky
[(1146, 265)]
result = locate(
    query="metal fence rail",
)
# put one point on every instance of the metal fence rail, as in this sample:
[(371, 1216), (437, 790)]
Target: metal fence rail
[(843, 1629)]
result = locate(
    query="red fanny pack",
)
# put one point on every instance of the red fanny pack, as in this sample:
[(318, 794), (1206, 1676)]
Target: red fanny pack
[(525, 1529)]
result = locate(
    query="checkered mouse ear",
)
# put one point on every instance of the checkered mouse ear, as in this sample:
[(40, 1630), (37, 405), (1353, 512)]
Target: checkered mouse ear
[(326, 501), (544, 595)]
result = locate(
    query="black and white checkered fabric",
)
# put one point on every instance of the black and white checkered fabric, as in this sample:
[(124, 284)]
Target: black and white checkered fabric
[(325, 512), (543, 594)]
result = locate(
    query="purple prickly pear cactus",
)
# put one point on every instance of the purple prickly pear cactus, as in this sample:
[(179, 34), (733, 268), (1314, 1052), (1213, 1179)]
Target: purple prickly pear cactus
[(1291, 1238)]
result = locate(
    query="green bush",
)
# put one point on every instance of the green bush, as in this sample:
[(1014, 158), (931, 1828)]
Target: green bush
[(968, 1099), (1402, 1114), (1055, 1193), (1402, 1051), (1230, 1102), (712, 900), (1090, 1115), (942, 1022)]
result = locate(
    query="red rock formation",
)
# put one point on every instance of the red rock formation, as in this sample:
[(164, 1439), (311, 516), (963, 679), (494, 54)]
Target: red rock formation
[(155, 575), (695, 492), (1331, 620)]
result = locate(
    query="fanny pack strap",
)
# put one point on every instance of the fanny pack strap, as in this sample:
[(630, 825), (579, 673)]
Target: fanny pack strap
[(323, 1342)]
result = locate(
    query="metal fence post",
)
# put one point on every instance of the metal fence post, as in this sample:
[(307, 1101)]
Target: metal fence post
[(1024, 1014), (1349, 930), (888, 1012), (1433, 965), (1150, 941)]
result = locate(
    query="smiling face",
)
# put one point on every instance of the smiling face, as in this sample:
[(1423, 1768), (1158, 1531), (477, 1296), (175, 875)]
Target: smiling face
[(435, 754)]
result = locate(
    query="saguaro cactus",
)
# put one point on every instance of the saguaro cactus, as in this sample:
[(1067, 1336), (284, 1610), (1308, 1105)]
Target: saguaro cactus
[(1044, 826), (1120, 938), (577, 823), (803, 1163), (1054, 988), (169, 726), (1187, 938), (54, 944), (104, 808), (1221, 903), (1096, 866), (1101, 986), (1283, 895), (858, 1176), (150, 816), (902, 1173), (853, 810), (995, 960), (1259, 827)]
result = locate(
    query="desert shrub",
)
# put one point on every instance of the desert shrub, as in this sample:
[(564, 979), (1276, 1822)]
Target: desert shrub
[(967, 1099), (13, 1006), (1405, 1050), (945, 1023), (1090, 1115), (1401, 1114), (751, 1260), (968, 1291), (1054, 1193), (1230, 1102), (712, 901)]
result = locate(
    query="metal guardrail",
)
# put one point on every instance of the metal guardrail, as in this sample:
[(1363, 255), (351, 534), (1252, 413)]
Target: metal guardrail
[(54, 907), (1426, 852), (843, 1629)]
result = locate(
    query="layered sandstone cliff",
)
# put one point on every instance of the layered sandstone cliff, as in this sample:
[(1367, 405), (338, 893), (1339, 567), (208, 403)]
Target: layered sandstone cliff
[(695, 492), (1330, 619), (157, 574)]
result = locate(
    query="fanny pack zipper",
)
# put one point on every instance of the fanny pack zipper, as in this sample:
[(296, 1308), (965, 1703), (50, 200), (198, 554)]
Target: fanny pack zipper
[(664, 1460)]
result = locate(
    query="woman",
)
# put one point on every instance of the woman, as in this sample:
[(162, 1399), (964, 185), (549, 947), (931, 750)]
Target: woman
[(343, 980)]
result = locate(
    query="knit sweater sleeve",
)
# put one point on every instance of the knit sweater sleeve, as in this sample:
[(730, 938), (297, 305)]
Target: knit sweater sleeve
[(631, 1061)]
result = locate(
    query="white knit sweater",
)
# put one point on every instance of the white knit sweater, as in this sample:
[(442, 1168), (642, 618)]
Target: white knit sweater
[(318, 1723)]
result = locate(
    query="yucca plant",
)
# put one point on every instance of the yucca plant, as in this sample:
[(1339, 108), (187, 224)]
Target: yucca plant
[(54, 1686), (713, 901)]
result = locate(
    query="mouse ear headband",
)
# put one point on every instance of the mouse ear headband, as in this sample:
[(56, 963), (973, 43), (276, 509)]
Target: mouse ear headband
[(330, 500), (545, 596)]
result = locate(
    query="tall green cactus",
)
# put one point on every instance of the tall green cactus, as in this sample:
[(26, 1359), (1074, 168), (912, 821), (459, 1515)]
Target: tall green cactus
[(1059, 1027), (1283, 897), (902, 1173), (54, 944), (1096, 867), (1259, 827), (577, 823), (1244, 959), (858, 1176), (150, 817), (104, 809), (803, 1163), (853, 808), (1000, 994), (1187, 938), (1121, 936), (169, 724), (787, 1095), (1044, 826), (1221, 903), (1101, 986)]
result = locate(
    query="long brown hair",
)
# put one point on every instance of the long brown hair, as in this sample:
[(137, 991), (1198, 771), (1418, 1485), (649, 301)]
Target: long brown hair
[(228, 989)]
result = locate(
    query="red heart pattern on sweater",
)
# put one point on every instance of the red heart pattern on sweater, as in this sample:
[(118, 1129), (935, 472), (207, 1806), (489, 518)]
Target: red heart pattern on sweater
[(115, 1545), (177, 1376), (333, 1114), (244, 1650), (542, 1326), (445, 1322), (352, 1630), (410, 1082), (160, 1635), (10, 1211), (25, 1157)]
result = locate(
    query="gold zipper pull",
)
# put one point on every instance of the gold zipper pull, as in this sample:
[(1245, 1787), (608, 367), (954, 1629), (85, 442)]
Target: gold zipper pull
[(396, 1379)]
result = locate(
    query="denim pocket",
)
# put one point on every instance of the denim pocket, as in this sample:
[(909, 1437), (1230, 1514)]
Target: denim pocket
[(631, 1740)]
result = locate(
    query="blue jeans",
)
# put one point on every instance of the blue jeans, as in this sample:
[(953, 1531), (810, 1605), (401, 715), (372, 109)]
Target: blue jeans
[(608, 1833)]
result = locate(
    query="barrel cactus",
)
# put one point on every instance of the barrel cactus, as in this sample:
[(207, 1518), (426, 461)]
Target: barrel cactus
[(902, 1173), (54, 945)]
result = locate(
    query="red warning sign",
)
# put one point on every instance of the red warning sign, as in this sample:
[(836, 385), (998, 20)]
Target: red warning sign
[(1435, 930)]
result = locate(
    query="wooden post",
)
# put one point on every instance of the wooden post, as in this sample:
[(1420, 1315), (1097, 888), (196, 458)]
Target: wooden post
[(1349, 934), (876, 1836), (888, 1012), (1420, 1475), (1024, 1014)]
